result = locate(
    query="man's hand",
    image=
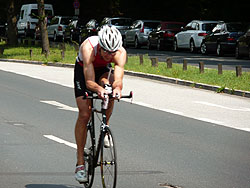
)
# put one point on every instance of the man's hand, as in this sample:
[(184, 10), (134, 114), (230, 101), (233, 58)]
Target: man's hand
[(101, 92), (117, 93)]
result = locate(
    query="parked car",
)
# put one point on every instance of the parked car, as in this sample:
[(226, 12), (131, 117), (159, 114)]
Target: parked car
[(137, 35), (192, 35), (121, 23), (78, 30), (223, 38), (89, 29), (243, 45), (57, 26), (72, 31), (163, 36), (28, 19)]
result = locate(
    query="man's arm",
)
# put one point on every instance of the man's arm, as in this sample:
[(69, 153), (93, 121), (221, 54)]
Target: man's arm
[(120, 61), (88, 69)]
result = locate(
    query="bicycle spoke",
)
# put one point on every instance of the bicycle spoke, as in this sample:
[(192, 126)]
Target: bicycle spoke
[(108, 164)]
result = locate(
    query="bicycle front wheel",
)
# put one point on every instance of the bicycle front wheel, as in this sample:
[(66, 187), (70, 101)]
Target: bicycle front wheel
[(108, 162), (89, 151)]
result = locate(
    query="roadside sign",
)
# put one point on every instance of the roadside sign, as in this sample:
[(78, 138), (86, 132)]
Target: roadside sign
[(76, 4)]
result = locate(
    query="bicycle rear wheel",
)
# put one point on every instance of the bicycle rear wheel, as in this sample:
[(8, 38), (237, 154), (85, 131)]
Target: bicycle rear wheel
[(89, 151), (109, 163)]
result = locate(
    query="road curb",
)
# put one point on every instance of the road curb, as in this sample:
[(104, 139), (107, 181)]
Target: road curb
[(150, 76)]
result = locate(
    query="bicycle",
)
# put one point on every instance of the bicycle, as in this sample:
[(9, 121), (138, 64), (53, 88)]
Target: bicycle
[(99, 155)]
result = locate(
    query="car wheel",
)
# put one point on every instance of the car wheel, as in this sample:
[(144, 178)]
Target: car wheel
[(219, 50), (192, 46), (203, 48), (237, 52), (175, 45), (137, 45)]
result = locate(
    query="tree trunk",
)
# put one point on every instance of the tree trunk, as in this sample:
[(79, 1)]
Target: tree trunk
[(12, 21), (43, 27)]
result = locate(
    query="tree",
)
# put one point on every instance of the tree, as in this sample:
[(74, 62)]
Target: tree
[(43, 27), (12, 21)]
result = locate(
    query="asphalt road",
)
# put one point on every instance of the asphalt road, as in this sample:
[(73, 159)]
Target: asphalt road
[(229, 62), (155, 147)]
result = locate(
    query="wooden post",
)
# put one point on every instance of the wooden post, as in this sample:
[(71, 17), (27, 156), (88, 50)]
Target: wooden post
[(219, 68), (201, 67), (238, 70), (169, 62), (141, 59), (154, 61), (184, 64), (31, 53), (62, 54)]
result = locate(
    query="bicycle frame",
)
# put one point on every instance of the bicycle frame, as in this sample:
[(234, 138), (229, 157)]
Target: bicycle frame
[(103, 126)]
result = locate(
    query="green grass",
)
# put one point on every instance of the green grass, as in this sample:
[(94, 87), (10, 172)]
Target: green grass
[(210, 76)]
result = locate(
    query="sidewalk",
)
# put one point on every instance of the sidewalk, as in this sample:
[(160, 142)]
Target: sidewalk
[(150, 76)]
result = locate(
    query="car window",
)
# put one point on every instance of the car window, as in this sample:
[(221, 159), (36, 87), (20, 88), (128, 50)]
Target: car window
[(151, 25), (65, 21), (34, 13), (208, 26), (54, 21), (48, 12), (235, 27), (121, 22), (22, 14), (188, 26)]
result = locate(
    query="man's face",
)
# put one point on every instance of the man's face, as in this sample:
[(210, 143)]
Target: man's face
[(106, 55)]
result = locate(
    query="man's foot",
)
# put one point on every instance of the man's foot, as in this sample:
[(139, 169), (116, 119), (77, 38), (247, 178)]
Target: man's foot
[(80, 174), (108, 141)]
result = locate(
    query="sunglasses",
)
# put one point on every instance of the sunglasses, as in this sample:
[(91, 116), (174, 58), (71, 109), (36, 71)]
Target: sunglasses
[(108, 52)]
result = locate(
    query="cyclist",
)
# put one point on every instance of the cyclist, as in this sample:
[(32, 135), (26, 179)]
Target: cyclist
[(91, 73)]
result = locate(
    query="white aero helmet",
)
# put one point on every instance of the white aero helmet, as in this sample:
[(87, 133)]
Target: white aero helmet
[(110, 38)]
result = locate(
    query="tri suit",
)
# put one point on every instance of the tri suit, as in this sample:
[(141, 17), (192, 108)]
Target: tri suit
[(100, 67)]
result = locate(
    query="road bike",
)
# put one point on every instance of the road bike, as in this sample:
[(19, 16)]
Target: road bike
[(100, 155)]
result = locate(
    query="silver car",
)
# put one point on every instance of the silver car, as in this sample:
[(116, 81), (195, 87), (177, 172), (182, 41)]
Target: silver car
[(192, 35), (138, 34), (57, 26)]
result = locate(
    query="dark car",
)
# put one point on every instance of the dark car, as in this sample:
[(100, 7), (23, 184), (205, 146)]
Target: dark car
[(223, 38), (163, 36), (243, 45), (72, 31), (78, 30), (121, 23)]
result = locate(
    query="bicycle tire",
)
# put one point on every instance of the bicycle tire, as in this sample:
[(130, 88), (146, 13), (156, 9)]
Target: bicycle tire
[(89, 151), (108, 163)]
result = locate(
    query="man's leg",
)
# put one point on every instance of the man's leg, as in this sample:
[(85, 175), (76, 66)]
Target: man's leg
[(84, 107)]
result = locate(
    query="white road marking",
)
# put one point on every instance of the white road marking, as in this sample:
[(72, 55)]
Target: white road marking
[(61, 106), (224, 107), (61, 141), (157, 108)]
